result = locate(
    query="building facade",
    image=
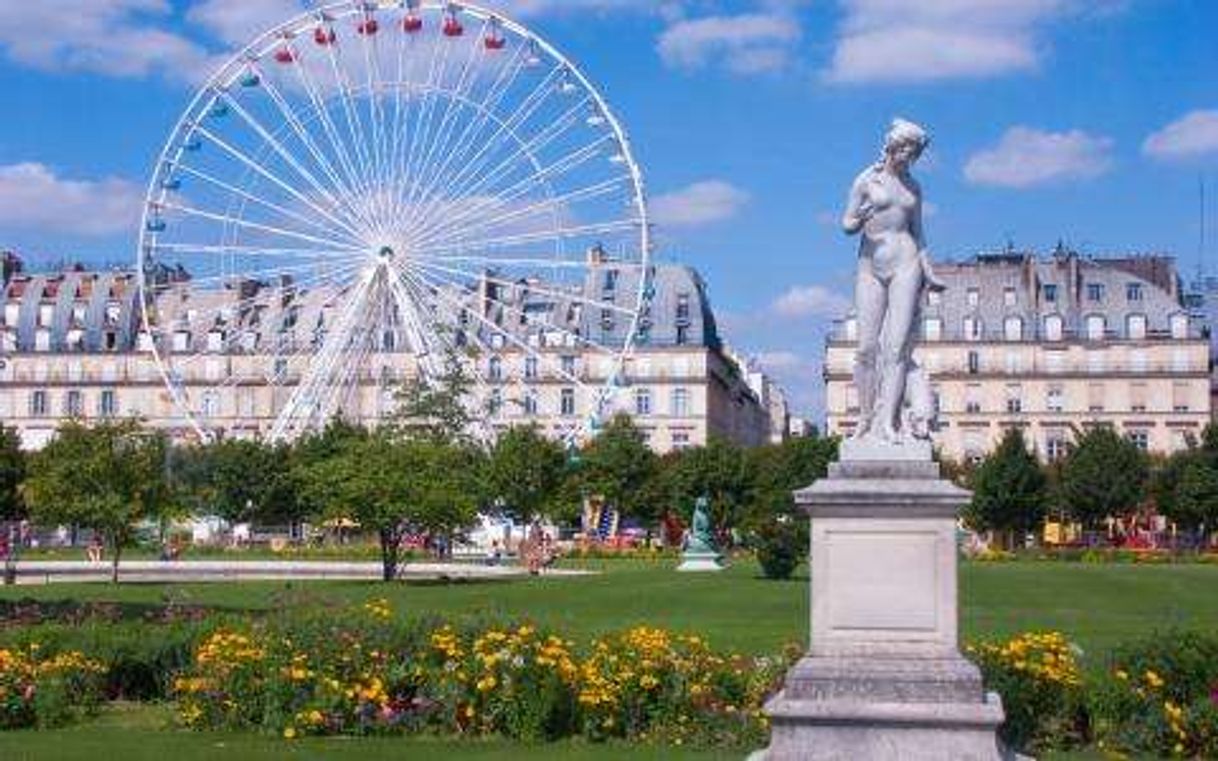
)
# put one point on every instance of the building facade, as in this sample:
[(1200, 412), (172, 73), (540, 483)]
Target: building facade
[(1053, 345), (73, 344)]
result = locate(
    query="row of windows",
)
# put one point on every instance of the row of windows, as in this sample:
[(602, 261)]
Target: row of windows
[(46, 313), (1095, 326), (73, 403), (1096, 293), (1055, 362), (1056, 444), (678, 402)]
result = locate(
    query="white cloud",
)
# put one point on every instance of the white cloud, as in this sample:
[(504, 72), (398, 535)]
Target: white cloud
[(111, 37), (32, 197), (810, 301), (780, 360), (237, 22), (746, 44), (1025, 157), (902, 41), (1194, 134), (698, 204)]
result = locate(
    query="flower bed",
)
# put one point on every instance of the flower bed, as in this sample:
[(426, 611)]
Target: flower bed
[(368, 675), (46, 690)]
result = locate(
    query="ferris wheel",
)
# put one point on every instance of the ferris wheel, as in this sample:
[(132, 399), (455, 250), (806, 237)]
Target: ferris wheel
[(374, 188)]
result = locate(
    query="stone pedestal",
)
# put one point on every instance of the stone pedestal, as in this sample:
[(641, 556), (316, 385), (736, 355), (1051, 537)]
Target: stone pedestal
[(700, 561), (884, 678)]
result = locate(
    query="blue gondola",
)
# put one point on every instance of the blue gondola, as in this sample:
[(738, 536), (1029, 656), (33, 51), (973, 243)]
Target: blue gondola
[(250, 79), (156, 225), (218, 109), (171, 183), (193, 143)]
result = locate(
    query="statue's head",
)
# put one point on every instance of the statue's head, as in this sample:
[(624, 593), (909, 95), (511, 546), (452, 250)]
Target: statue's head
[(904, 142)]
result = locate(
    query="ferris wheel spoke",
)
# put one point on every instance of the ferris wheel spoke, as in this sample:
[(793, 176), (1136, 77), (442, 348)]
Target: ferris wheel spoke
[(246, 195), (564, 233), (437, 289), (373, 83), (227, 219), (417, 292), (397, 123), (468, 138), (524, 150), (266, 173), (290, 160), (309, 267), (533, 288), (444, 131), (544, 206), (208, 248), (355, 129), (337, 144), (507, 128), (311, 386), (424, 118), (486, 202), (340, 189)]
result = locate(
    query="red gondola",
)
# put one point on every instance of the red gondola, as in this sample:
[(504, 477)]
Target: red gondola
[(494, 39), (452, 26), (324, 35), (412, 23), (368, 27), (285, 55)]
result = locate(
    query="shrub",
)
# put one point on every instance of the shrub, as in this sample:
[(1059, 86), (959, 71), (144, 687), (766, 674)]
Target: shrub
[(46, 690), (780, 545), (1038, 677), (1160, 696)]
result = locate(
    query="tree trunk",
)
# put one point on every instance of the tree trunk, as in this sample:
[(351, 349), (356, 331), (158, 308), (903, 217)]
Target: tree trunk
[(389, 555), (114, 563)]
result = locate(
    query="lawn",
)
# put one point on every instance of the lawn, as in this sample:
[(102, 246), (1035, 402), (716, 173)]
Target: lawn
[(1095, 605), (141, 733)]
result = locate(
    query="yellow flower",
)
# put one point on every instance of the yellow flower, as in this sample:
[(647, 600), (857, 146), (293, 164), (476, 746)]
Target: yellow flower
[(289, 733), (1153, 680)]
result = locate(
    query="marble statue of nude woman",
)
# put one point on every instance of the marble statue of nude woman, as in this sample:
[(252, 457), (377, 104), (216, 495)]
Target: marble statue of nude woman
[(885, 210)]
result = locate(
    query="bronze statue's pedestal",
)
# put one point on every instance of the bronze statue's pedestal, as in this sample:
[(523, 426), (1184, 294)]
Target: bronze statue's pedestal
[(884, 678)]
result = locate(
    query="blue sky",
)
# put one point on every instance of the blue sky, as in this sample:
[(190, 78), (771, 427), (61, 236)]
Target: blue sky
[(1090, 121)]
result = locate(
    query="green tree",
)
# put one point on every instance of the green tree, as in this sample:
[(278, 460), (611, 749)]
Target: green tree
[(1105, 474), (236, 479), (617, 465), (311, 450), (720, 471), (391, 485), (1185, 485), (1196, 503), (109, 477), (12, 473), (524, 471), (1009, 490), (779, 470), (440, 409)]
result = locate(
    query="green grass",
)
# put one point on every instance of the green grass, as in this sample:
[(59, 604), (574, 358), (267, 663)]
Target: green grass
[(139, 733), (1095, 605)]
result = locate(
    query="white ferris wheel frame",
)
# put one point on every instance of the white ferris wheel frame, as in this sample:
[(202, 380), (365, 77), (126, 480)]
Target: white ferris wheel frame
[(264, 46)]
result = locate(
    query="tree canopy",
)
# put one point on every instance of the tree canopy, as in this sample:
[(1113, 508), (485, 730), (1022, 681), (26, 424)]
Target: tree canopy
[(108, 477), (524, 471), (1009, 489), (1105, 474), (12, 473)]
